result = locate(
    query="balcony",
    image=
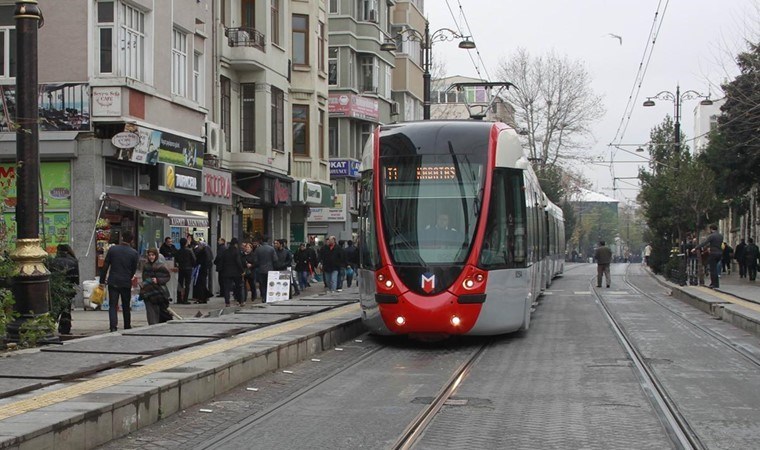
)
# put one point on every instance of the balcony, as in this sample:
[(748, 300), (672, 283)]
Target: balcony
[(245, 37), (311, 170)]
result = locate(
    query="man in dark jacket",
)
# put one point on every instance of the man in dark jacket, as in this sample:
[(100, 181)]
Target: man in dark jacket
[(203, 258), (119, 269), (221, 246), (713, 241), (603, 256), (751, 255), (168, 250), (184, 260), (232, 269), (303, 268), (739, 255), (264, 258), (332, 260), (352, 262)]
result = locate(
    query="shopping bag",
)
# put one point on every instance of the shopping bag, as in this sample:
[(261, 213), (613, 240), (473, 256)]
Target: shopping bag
[(98, 295)]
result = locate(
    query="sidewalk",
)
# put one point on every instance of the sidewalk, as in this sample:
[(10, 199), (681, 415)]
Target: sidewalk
[(740, 287), (89, 323)]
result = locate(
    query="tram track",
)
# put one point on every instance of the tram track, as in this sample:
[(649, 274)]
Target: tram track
[(676, 426), (417, 427)]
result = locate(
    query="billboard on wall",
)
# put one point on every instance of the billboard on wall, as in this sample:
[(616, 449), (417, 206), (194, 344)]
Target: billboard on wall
[(352, 105), (336, 214), (56, 196), (161, 147), (62, 107)]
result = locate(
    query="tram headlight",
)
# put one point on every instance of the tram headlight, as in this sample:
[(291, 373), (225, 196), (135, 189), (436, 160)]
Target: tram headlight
[(380, 277), (456, 321), (468, 283), (388, 284), (400, 320)]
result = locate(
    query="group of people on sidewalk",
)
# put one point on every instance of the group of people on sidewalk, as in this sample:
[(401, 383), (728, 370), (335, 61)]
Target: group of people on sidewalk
[(716, 255), (241, 268)]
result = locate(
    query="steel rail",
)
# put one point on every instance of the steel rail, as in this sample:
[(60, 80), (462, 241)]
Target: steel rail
[(415, 429), (727, 342), (675, 424)]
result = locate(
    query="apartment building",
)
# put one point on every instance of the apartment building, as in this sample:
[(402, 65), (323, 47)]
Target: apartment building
[(360, 98)]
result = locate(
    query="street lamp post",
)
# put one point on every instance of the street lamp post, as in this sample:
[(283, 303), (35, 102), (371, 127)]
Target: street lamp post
[(677, 99), (426, 40), (31, 285)]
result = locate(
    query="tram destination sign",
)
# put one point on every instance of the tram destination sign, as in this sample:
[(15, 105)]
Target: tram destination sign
[(445, 172)]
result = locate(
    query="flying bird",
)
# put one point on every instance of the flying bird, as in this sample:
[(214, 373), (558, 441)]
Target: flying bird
[(619, 38)]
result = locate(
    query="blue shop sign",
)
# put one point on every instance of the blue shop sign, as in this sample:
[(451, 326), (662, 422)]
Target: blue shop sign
[(344, 168)]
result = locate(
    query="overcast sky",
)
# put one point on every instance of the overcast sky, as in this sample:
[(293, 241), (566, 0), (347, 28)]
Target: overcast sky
[(695, 48)]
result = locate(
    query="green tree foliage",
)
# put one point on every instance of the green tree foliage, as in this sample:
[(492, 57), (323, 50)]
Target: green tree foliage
[(676, 196), (734, 151)]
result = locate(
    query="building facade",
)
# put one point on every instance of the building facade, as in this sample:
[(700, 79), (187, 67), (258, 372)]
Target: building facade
[(450, 103), (407, 90), (360, 98)]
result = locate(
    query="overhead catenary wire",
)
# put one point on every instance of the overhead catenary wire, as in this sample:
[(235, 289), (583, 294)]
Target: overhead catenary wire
[(459, 30)]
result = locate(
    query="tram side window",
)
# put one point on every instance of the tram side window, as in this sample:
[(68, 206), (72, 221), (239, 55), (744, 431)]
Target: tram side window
[(504, 244), (368, 255)]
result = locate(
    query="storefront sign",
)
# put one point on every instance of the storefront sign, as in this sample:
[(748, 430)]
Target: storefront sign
[(217, 186), (352, 105), (200, 222), (336, 214), (62, 106), (344, 168), (125, 139), (313, 193), (180, 179), (281, 192), (106, 101)]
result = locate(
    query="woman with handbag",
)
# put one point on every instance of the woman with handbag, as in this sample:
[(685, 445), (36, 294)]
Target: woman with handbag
[(153, 291)]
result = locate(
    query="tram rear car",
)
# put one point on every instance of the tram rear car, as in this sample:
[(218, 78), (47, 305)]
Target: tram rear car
[(455, 232)]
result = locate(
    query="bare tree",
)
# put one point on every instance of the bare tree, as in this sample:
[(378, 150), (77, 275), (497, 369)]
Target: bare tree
[(554, 105)]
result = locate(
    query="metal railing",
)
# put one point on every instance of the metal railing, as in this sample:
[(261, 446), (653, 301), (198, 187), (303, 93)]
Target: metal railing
[(245, 37)]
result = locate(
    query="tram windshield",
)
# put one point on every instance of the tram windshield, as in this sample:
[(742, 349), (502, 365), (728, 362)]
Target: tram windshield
[(431, 191)]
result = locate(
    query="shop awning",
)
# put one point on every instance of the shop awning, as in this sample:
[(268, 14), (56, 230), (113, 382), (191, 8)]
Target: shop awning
[(241, 193), (178, 218)]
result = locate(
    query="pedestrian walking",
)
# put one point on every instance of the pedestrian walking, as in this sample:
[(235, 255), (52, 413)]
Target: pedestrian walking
[(647, 254), (264, 259), (603, 256), (303, 268), (739, 256), (231, 263), (751, 255), (153, 290), (727, 256), (351, 254), (221, 246), (204, 258), (332, 259), (66, 262), (118, 272), (713, 242), (184, 260)]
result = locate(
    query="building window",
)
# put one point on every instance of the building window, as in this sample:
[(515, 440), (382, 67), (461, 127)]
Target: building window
[(226, 100), (333, 138), (301, 130), (248, 13), (322, 147), (132, 42), (369, 75), (198, 77), (366, 133), (278, 120), (388, 82), (322, 45), (105, 36), (333, 7), (8, 49), (368, 11), (276, 22), (179, 62), (332, 66), (247, 117), (300, 39)]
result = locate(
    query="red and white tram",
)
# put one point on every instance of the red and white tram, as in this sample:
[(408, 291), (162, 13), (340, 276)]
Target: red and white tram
[(456, 236)]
